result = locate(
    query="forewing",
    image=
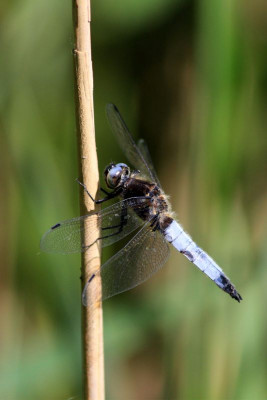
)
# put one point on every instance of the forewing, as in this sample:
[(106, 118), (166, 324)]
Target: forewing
[(70, 237), (126, 142), (144, 255), (147, 157)]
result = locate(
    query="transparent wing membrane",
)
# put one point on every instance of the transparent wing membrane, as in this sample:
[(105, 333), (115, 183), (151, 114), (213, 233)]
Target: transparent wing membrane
[(133, 153), (113, 223), (143, 256), (146, 155)]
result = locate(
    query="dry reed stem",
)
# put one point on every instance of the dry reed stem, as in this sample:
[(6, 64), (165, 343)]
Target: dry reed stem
[(92, 329)]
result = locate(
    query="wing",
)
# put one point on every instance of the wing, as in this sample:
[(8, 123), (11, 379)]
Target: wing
[(147, 157), (115, 222), (126, 142), (143, 255)]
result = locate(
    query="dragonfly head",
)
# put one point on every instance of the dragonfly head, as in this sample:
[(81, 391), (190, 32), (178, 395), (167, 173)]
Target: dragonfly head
[(116, 174)]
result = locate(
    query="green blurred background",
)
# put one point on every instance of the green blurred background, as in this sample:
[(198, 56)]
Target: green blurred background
[(190, 77)]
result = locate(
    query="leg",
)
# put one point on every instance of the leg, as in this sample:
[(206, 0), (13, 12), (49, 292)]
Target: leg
[(108, 197), (104, 191), (85, 188), (120, 226), (123, 222)]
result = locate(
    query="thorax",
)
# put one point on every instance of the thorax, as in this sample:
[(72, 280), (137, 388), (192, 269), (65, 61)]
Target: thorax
[(157, 202)]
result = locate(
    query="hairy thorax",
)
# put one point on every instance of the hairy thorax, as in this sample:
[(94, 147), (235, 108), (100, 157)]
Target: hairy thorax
[(157, 203)]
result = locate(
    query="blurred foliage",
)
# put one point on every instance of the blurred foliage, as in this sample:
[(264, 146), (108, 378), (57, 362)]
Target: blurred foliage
[(191, 77)]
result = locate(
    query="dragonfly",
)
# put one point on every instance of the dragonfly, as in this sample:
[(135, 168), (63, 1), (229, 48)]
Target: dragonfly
[(143, 213)]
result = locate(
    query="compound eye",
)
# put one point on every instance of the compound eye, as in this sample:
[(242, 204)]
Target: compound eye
[(114, 176), (124, 167), (108, 168), (111, 180)]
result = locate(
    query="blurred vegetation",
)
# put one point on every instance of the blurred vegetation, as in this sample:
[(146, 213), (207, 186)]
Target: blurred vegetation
[(191, 78)]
